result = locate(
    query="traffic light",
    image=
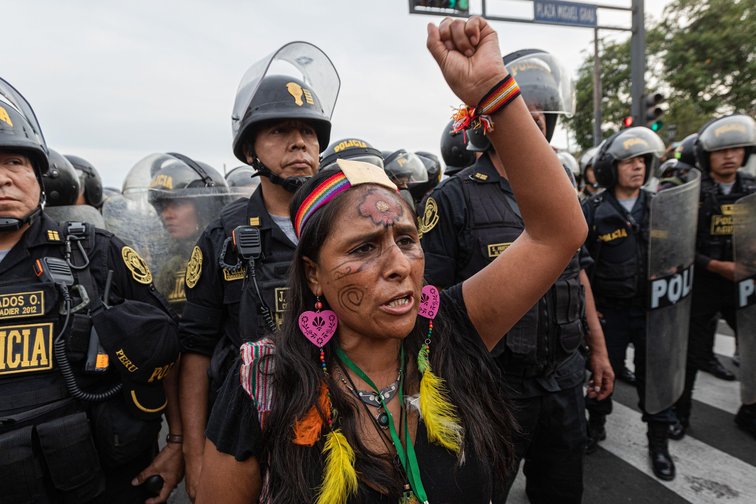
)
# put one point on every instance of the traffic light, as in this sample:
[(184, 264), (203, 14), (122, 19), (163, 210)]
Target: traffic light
[(627, 121), (654, 111)]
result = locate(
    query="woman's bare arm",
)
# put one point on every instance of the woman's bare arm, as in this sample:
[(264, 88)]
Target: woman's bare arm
[(225, 479), (497, 296)]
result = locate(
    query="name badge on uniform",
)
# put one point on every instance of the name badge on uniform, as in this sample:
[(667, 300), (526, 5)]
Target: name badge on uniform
[(26, 348), (22, 304), (495, 249), (230, 276), (282, 302)]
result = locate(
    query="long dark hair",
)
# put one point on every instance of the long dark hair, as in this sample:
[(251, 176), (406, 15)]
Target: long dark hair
[(470, 373)]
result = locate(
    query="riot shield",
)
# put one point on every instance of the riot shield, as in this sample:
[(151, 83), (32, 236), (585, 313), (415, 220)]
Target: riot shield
[(168, 200), (76, 213), (671, 253), (744, 252)]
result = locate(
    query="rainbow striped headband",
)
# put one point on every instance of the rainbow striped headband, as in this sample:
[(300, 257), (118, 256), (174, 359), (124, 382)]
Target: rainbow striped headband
[(351, 173)]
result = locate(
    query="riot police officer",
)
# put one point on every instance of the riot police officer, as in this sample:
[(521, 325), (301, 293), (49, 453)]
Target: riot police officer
[(435, 171), (588, 184), (454, 150), (468, 221), (187, 195), (618, 240), (91, 192), (723, 146), (236, 277), (242, 179), (355, 149), (82, 395)]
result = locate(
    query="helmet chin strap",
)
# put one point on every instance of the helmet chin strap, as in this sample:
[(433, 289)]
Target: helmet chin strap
[(291, 184), (11, 224)]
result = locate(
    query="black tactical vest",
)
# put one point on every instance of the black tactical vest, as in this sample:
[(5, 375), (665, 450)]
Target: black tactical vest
[(551, 330), (619, 245), (714, 237)]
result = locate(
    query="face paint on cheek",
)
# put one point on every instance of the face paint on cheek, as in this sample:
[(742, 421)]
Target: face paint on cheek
[(350, 297), (380, 209)]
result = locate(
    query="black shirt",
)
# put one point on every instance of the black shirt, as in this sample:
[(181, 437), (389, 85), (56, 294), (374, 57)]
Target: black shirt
[(234, 429)]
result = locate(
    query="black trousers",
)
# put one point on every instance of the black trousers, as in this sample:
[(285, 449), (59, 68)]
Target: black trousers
[(713, 297), (624, 325), (552, 443)]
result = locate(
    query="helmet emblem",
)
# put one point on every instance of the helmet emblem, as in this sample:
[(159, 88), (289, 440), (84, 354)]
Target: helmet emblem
[(5, 117), (633, 141), (295, 90)]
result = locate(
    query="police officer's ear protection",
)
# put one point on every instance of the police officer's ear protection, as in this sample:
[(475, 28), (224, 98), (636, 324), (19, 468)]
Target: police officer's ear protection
[(198, 169), (702, 156), (604, 167)]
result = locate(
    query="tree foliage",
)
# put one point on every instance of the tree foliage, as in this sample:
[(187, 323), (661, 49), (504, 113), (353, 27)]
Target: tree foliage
[(701, 55)]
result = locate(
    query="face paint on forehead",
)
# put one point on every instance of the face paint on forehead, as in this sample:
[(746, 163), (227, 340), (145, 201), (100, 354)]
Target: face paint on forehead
[(382, 208)]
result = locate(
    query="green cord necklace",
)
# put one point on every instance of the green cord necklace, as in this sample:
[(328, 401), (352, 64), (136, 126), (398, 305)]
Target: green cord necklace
[(405, 451)]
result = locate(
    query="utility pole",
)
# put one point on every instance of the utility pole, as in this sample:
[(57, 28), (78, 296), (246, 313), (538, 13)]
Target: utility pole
[(596, 90), (638, 63)]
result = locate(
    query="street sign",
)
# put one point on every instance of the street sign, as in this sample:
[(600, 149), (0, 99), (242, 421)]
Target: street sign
[(564, 13)]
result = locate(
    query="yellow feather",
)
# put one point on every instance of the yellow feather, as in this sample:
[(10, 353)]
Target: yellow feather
[(439, 414), (339, 475)]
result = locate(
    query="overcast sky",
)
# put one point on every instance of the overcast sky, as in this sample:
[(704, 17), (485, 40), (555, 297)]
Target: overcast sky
[(115, 81)]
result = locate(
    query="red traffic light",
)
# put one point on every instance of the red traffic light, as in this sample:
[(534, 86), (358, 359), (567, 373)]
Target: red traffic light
[(627, 121)]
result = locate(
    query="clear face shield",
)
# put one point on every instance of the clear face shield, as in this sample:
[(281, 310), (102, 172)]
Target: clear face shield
[(638, 141), (405, 168), (301, 60), (729, 133), (545, 83)]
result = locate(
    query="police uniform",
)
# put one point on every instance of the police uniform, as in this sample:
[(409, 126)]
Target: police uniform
[(222, 308), (466, 223), (54, 448), (618, 243), (713, 295)]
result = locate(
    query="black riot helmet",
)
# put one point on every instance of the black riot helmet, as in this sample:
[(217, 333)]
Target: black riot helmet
[(685, 152), (297, 81), (278, 98), (175, 176), (545, 85), (454, 150), (350, 148), (60, 182), (727, 132), (20, 132), (243, 179), (435, 171), (625, 144), (89, 179), (404, 168)]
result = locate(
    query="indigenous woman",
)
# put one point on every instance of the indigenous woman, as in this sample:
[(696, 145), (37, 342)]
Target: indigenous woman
[(378, 388)]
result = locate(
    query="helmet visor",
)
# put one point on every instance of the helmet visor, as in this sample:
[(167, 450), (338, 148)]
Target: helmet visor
[(406, 168), (729, 133), (301, 60), (9, 96), (545, 83), (637, 141)]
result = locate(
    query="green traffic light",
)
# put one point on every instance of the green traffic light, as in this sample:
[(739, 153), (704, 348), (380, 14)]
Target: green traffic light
[(657, 125)]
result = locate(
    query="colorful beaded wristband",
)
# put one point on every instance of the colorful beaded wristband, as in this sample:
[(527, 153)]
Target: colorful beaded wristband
[(501, 95)]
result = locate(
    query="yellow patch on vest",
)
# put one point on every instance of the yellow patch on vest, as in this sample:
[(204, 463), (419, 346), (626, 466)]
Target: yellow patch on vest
[(193, 268), (613, 235), (139, 269), (26, 348), (495, 249), (230, 276), (429, 219), (22, 304)]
